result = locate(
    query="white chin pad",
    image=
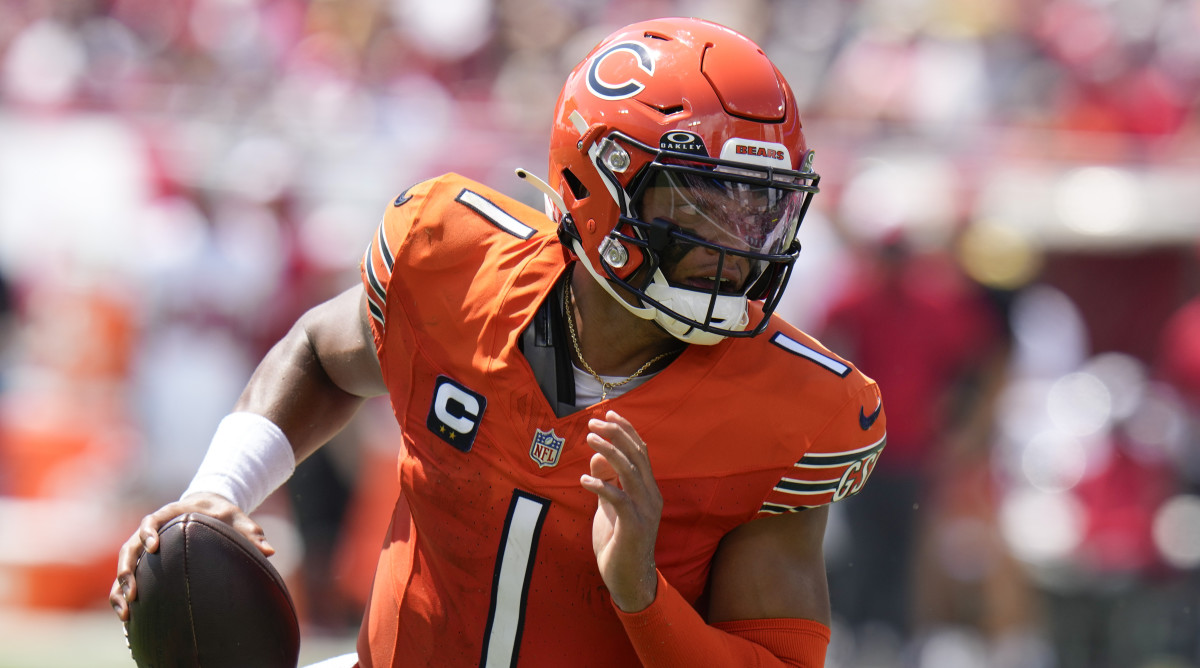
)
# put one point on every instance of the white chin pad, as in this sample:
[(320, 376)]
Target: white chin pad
[(729, 314)]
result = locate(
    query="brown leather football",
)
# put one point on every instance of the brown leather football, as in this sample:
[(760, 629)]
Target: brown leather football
[(208, 598)]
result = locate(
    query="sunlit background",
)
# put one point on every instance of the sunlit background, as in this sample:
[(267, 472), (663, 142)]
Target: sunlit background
[(1007, 238)]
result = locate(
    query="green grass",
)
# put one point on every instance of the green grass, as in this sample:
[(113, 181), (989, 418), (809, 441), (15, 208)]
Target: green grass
[(94, 639)]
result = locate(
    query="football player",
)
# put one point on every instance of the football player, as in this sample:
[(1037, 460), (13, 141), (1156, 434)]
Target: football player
[(613, 453)]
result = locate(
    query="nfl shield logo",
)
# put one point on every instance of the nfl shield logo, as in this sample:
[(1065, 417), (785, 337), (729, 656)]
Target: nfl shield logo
[(546, 448)]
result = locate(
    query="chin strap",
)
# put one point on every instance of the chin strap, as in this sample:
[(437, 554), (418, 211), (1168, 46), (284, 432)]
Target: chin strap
[(730, 312), (643, 312), (732, 309)]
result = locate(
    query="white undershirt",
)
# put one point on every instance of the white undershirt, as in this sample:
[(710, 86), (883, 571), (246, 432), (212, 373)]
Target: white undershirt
[(587, 388)]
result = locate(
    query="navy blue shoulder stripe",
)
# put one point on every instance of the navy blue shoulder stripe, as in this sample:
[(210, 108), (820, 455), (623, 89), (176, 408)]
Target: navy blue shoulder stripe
[(384, 251), (373, 280), (817, 460), (802, 487)]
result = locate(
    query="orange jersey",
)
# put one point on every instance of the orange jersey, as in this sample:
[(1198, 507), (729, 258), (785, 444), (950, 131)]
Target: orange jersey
[(489, 558)]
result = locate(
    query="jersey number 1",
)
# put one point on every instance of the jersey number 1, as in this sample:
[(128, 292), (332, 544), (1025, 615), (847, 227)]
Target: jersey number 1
[(510, 583)]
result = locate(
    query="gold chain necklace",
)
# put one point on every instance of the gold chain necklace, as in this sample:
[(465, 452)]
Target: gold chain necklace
[(605, 386)]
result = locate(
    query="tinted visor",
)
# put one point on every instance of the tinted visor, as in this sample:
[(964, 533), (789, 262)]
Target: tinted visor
[(750, 221), (717, 208)]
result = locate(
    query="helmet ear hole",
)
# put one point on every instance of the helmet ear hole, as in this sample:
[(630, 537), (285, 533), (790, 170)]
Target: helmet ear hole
[(578, 190)]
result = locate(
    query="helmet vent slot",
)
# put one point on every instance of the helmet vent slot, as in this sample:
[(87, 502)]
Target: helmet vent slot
[(664, 109), (656, 35), (578, 190)]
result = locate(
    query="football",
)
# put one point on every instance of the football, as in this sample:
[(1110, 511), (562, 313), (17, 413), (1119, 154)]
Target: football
[(208, 598)]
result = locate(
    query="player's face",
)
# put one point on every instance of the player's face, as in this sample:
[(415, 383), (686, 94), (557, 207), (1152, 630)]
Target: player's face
[(737, 216)]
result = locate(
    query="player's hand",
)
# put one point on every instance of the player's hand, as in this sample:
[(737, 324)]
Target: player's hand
[(626, 523), (145, 539)]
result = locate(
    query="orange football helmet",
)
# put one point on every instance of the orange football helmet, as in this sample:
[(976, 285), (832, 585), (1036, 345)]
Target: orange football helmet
[(674, 135)]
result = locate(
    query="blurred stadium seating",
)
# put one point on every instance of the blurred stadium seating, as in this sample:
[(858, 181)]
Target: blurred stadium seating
[(179, 180)]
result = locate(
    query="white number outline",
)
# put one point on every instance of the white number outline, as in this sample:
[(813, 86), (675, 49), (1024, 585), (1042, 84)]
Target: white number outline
[(510, 583)]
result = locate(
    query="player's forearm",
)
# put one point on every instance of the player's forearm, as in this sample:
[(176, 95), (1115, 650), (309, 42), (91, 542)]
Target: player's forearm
[(671, 634)]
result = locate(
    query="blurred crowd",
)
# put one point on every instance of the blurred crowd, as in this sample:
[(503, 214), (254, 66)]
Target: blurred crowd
[(1007, 239)]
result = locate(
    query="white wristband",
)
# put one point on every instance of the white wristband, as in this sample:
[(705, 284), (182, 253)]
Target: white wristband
[(249, 457)]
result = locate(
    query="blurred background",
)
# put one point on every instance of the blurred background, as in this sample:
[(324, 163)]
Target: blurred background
[(1007, 239)]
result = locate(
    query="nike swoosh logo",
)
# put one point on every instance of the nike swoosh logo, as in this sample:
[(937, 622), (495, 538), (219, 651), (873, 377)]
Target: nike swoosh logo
[(865, 421)]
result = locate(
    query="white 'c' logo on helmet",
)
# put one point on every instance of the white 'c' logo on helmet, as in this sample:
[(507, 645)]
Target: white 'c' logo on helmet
[(625, 89)]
